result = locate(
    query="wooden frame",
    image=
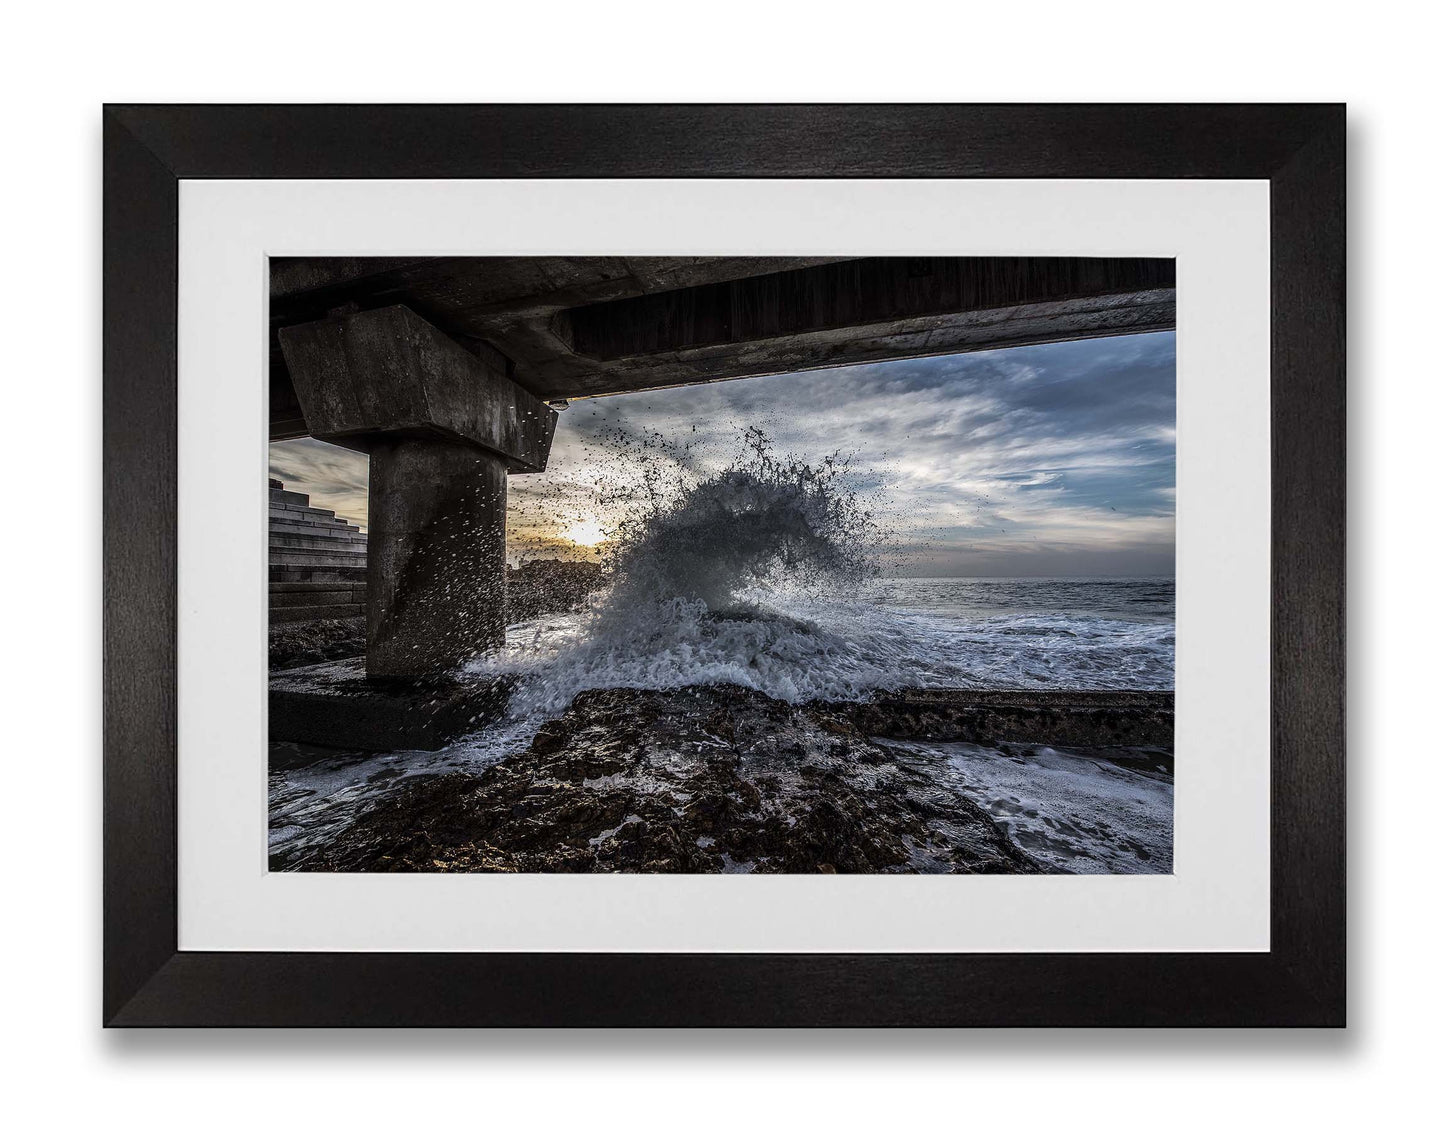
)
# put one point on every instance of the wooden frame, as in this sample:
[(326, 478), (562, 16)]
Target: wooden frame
[(1298, 148)]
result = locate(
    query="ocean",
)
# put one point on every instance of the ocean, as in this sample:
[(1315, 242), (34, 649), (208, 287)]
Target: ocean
[(1040, 633)]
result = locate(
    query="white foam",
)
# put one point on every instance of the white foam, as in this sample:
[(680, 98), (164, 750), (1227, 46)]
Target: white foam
[(820, 648), (1073, 812)]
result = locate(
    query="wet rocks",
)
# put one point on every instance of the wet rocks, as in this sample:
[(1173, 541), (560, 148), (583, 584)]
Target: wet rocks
[(294, 644), (1083, 718), (703, 780), (538, 587)]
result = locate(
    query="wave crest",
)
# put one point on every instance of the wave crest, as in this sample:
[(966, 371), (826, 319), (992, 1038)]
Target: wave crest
[(764, 521)]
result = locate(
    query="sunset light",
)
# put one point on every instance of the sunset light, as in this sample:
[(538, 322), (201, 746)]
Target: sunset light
[(587, 533)]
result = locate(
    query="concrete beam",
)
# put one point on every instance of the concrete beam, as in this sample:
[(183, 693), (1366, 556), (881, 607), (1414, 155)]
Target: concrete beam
[(934, 335), (386, 375), (870, 293)]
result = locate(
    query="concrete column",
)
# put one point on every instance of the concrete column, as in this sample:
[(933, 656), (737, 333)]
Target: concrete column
[(444, 425), (437, 556)]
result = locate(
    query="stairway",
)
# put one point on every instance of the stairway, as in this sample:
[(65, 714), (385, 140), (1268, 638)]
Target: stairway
[(318, 560)]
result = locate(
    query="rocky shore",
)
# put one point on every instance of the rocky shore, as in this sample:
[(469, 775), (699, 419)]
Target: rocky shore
[(538, 587), (291, 645), (724, 779)]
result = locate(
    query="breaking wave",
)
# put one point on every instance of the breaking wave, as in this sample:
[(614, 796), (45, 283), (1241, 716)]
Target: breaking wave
[(764, 523), (765, 575)]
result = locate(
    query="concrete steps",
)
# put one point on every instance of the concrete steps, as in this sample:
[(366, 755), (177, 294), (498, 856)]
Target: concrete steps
[(343, 595), (320, 542), (292, 519), (311, 614), (306, 515), (303, 528), (315, 557), (282, 587), (317, 575), (317, 560)]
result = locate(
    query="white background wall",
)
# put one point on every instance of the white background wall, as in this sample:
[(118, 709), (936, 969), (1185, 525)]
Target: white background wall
[(63, 60)]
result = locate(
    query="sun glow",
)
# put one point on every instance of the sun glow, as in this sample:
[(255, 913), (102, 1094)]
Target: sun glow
[(587, 533)]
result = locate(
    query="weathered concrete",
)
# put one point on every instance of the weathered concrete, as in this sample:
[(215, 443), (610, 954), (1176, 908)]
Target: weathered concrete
[(307, 557), (877, 299), (386, 374), (319, 538), (285, 573), (335, 704), (321, 595), (438, 557)]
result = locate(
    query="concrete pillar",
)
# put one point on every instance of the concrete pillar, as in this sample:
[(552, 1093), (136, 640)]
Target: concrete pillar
[(437, 557), (444, 425)]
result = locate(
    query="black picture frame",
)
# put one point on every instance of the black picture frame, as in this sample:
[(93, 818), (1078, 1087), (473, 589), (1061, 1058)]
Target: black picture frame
[(1299, 149)]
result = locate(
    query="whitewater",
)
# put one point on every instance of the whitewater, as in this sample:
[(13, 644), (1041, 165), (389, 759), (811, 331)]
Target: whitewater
[(894, 634)]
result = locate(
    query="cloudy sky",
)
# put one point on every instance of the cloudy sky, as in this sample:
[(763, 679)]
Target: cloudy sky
[(1055, 459)]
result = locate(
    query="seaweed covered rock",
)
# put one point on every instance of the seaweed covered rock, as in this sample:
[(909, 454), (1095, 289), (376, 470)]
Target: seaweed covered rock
[(705, 780)]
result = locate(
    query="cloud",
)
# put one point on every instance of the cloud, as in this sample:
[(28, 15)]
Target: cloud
[(1051, 459), (334, 477)]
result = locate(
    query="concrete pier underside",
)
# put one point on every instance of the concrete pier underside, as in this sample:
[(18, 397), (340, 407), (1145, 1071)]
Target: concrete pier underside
[(565, 328), (442, 370)]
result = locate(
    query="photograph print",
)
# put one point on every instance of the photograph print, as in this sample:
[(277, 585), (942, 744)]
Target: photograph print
[(710, 565)]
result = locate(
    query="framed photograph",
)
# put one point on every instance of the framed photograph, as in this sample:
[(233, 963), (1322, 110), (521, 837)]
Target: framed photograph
[(724, 565)]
